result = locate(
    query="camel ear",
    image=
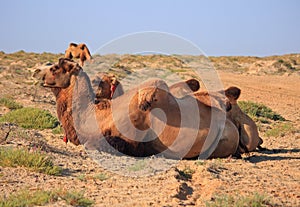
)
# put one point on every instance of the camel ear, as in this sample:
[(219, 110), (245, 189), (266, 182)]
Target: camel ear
[(61, 61), (233, 93), (193, 84)]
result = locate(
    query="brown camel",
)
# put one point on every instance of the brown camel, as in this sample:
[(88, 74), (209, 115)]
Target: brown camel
[(223, 100), (106, 86), (184, 88), (177, 133), (227, 101), (80, 51)]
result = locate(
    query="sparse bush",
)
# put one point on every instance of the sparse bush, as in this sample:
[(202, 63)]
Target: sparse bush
[(101, 177), (41, 197), (35, 161), (260, 111), (280, 129), (10, 103), (254, 200), (280, 61), (200, 162), (75, 198), (81, 177), (185, 174), (58, 130), (28, 198), (29, 59), (30, 118), (137, 166)]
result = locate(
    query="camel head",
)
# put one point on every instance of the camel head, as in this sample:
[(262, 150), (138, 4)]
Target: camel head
[(106, 86), (58, 75), (80, 51)]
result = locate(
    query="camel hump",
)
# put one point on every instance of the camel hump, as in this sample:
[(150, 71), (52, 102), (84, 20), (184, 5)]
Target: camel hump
[(82, 46), (233, 93), (72, 44)]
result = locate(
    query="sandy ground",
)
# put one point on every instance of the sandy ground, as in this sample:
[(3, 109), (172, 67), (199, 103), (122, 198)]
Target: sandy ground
[(273, 172)]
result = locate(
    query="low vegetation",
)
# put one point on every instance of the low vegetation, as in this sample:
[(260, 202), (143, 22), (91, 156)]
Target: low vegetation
[(41, 197), (185, 174), (252, 200), (30, 118), (280, 129), (10, 103), (28, 59), (75, 198), (137, 166), (32, 160), (269, 122), (271, 65), (259, 112), (100, 176), (58, 130)]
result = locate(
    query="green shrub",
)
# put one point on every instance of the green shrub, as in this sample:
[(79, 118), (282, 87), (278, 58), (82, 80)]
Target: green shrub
[(58, 130), (101, 176), (138, 166), (75, 198), (10, 103), (40, 197), (259, 111), (28, 198), (254, 200), (30, 118), (280, 129), (35, 161)]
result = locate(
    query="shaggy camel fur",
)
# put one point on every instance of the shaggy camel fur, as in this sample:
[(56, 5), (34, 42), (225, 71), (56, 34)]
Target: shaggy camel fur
[(106, 86), (80, 51), (184, 88), (227, 101), (223, 100), (178, 134)]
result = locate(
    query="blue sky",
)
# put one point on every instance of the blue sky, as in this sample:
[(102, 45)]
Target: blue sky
[(218, 27)]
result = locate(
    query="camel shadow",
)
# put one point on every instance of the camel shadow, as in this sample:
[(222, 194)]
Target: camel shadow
[(273, 155)]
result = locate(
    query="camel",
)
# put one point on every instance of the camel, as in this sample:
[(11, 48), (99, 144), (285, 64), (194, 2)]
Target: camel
[(249, 137), (184, 88), (80, 51), (106, 86), (144, 130), (225, 100)]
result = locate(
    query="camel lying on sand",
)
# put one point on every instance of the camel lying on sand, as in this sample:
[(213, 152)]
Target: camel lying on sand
[(106, 86), (178, 133), (224, 100), (227, 101), (78, 51)]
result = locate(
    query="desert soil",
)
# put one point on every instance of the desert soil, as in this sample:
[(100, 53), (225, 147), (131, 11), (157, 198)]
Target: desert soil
[(274, 172)]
